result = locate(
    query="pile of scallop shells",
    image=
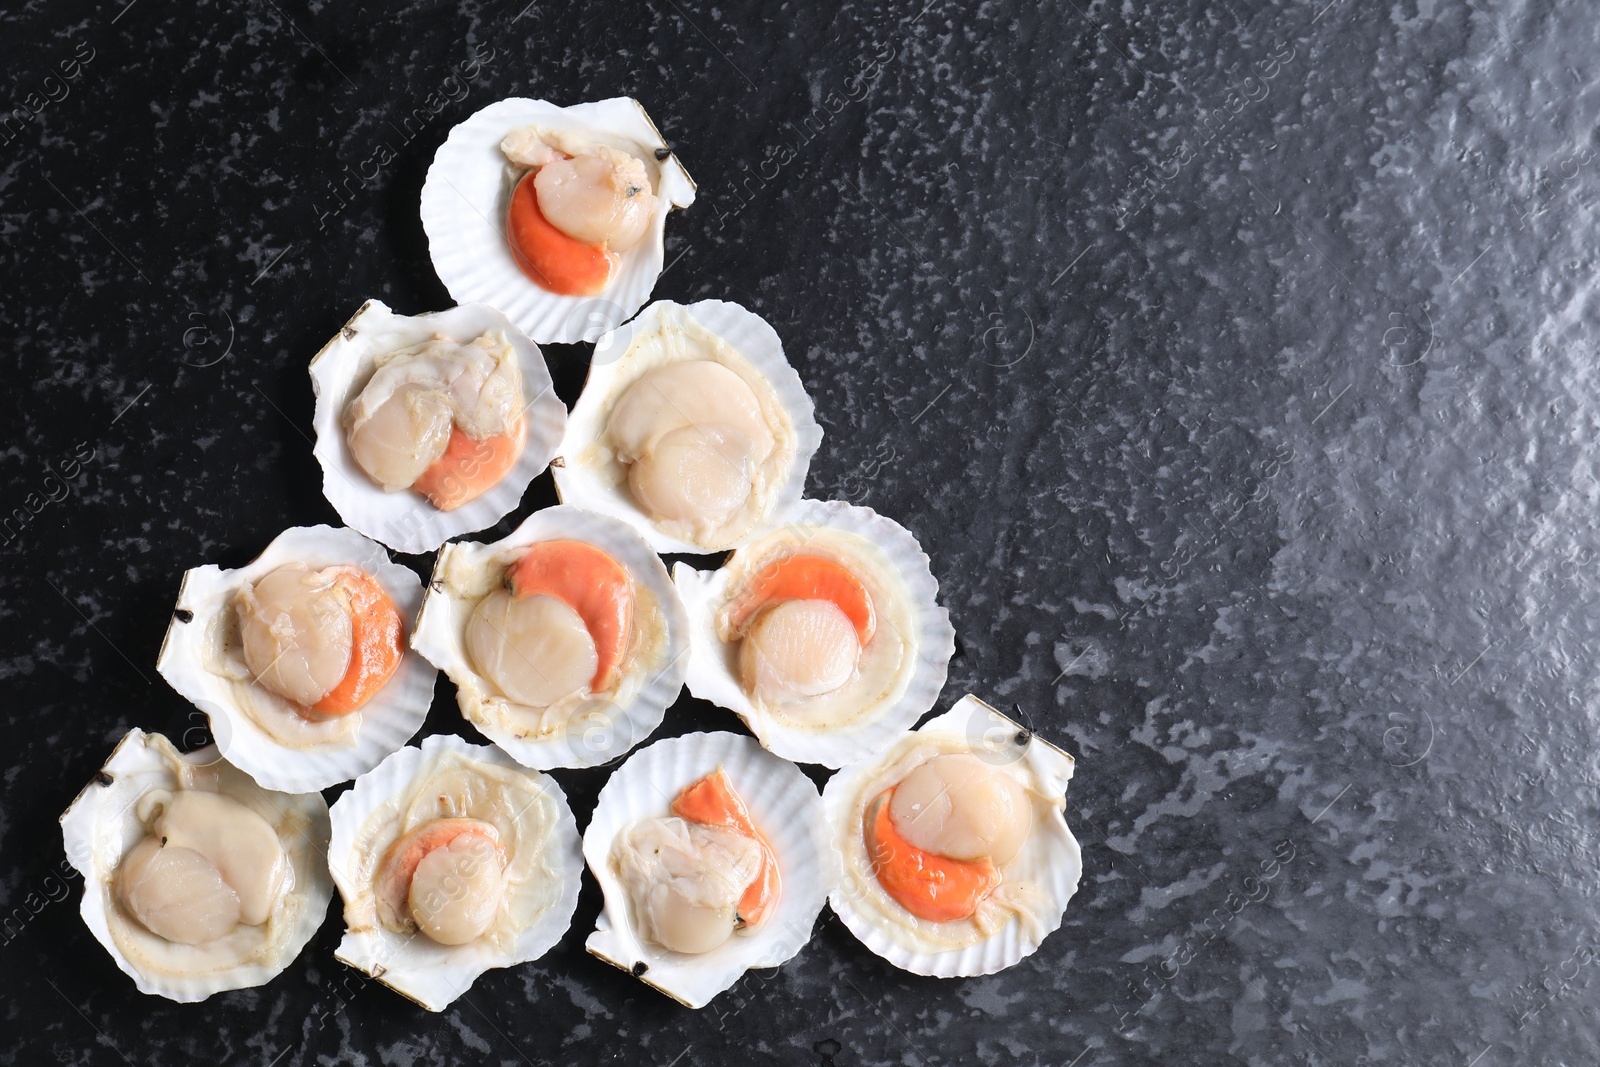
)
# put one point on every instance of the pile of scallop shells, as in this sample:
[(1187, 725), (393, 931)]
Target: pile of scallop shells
[(943, 848)]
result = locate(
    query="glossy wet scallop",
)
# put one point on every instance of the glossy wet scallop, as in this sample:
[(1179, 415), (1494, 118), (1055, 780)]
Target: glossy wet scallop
[(702, 874), (565, 639), (957, 855), (177, 893), (596, 196), (451, 859), (579, 204), (445, 878), (959, 806), (535, 650), (694, 438), (456, 891), (684, 880), (579, 201), (689, 392), (713, 857), (825, 635), (559, 628), (440, 418), (692, 427), (397, 436), (797, 649), (211, 842), (555, 215), (431, 426), (299, 658), (196, 879), (296, 631), (594, 584)]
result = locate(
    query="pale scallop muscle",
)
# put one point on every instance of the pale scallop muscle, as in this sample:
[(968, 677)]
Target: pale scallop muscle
[(456, 890), (400, 422), (596, 199), (296, 632), (590, 191), (796, 649), (404, 435), (694, 436), (208, 864), (700, 473), (176, 893), (243, 847), (451, 860), (685, 393), (685, 880), (961, 807), (534, 649)]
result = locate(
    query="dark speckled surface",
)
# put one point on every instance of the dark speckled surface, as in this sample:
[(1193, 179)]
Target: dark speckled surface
[(1234, 362)]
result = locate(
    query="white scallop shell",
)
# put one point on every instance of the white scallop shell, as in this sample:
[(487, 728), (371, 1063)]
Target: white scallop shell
[(713, 673), (593, 736), (783, 804), (386, 723), (413, 965), (100, 826), (611, 371), (464, 202), (1051, 859), (405, 521)]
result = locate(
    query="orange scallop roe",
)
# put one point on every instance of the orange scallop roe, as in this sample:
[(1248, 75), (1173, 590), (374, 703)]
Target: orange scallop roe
[(712, 802), (591, 583), (806, 577), (929, 886), (375, 646), (552, 259), (469, 467)]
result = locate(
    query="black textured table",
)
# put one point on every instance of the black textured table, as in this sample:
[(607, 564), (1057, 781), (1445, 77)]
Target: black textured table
[(1235, 363)]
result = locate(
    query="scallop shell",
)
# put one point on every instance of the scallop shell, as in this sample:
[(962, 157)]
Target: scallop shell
[(465, 197), (100, 827), (431, 974), (713, 671), (612, 370), (355, 742), (594, 736), (783, 803), (1051, 859), (405, 521)]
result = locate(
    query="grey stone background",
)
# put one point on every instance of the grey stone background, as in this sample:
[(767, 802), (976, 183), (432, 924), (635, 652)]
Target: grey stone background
[(1234, 362)]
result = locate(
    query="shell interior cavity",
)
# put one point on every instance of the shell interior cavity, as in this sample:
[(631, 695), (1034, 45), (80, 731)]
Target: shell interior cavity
[(257, 649), (957, 856), (692, 427), (675, 873), (196, 879), (451, 859), (605, 181), (431, 426), (825, 635), (565, 639)]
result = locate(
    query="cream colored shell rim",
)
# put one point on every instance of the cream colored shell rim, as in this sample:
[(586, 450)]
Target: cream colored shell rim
[(593, 738), (991, 735), (785, 806), (430, 974), (95, 834), (748, 334), (387, 722), (464, 201), (404, 520), (712, 671)]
